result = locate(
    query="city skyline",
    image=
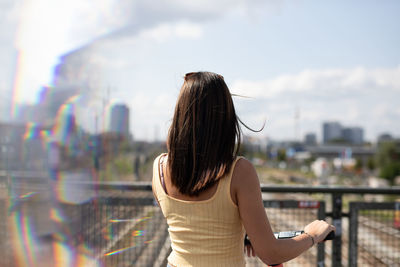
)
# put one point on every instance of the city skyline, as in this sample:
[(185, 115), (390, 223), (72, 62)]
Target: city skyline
[(297, 63), (116, 119), (103, 124)]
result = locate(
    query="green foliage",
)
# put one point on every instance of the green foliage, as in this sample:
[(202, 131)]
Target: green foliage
[(116, 169), (123, 165), (309, 161), (244, 150), (371, 164), (390, 171), (359, 164), (125, 147), (388, 160), (338, 141), (281, 155)]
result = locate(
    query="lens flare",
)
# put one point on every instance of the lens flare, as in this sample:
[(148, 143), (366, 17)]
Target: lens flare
[(24, 239), (27, 195), (108, 232), (63, 255), (138, 233), (118, 251), (32, 131), (64, 129), (56, 216)]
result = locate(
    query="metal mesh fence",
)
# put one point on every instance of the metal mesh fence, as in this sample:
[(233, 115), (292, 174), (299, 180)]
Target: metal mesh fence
[(375, 238), (125, 229), (94, 228), (119, 225), (5, 249), (5, 242), (290, 215)]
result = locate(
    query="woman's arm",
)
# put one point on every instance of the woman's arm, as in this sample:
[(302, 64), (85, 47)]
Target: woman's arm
[(247, 194)]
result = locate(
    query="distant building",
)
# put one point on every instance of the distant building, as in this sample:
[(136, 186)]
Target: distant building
[(353, 135), (119, 120), (385, 137), (331, 131), (310, 139), (340, 151)]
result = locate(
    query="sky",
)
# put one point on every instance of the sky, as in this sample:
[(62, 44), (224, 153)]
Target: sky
[(299, 63)]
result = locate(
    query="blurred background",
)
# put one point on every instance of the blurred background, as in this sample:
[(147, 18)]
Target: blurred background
[(88, 88)]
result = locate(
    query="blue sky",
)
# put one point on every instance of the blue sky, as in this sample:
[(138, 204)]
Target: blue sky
[(326, 61)]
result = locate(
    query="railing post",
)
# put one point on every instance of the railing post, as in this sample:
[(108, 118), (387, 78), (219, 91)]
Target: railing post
[(353, 234), (321, 246), (337, 222)]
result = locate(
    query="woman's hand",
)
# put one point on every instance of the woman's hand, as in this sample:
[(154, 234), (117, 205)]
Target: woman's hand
[(319, 229)]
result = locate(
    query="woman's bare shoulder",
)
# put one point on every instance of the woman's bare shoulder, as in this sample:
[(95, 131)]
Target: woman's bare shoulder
[(244, 167), (244, 175)]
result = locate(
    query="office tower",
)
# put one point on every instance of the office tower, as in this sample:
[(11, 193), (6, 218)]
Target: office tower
[(119, 120), (310, 139), (353, 135), (331, 131)]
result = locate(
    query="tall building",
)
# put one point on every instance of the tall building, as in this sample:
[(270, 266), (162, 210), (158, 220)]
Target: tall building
[(310, 139), (119, 120), (353, 135), (331, 131)]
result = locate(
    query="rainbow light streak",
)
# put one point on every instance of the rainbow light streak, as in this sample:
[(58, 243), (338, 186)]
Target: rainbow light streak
[(45, 135), (18, 248), (13, 205), (43, 94), (32, 131), (129, 220), (63, 255), (138, 233), (59, 188), (118, 251), (24, 240), (56, 216), (107, 232), (65, 127), (65, 122), (27, 195)]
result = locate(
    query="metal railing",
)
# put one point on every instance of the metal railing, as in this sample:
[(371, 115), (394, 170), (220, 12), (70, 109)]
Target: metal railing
[(118, 224), (337, 215), (373, 232)]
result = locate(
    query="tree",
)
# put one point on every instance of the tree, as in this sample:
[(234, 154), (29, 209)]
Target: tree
[(359, 165), (371, 163), (388, 160), (281, 155)]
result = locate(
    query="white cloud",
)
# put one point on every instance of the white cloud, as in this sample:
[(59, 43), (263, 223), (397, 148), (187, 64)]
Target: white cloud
[(327, 81), (48, 29), (151, 112), (166, 31), (188, 30), (359, 97)]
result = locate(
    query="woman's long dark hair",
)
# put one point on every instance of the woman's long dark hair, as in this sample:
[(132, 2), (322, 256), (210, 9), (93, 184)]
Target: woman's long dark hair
[(205, 135)]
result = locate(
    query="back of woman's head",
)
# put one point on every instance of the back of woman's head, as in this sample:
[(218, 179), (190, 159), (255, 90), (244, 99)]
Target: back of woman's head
[(202, 137)]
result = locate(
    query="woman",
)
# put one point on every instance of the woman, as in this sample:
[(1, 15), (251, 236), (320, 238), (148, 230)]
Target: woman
[(209, 196)]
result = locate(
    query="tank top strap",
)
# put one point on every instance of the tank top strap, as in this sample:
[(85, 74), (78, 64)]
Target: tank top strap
[(157, 183), (226, 181)]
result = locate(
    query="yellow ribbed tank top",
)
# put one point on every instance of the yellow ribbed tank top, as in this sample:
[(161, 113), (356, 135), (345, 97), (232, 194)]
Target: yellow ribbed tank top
[(203, 233)]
